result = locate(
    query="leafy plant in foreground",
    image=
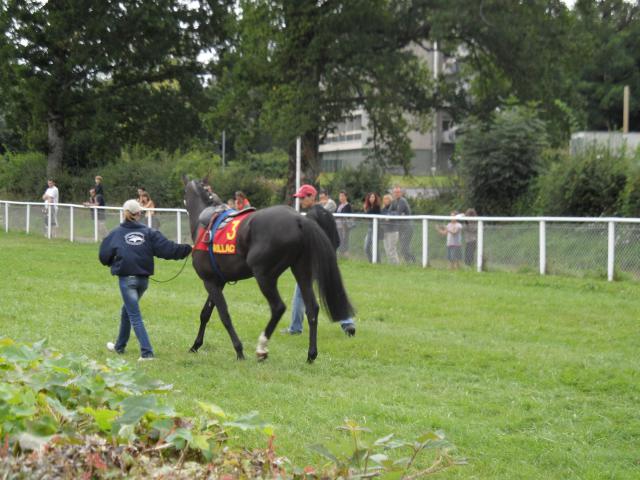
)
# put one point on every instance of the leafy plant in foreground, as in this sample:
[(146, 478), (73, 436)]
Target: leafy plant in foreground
[(110, 421), (376, 459)]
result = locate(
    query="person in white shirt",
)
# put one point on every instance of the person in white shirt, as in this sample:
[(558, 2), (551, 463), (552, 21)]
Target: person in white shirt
[(51, 192), (51, 197)]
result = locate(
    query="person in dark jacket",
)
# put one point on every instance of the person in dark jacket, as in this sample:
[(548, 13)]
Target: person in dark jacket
[(129, 250), (316, 212)]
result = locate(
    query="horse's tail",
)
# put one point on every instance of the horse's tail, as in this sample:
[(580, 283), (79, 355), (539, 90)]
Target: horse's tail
[(324, 267)]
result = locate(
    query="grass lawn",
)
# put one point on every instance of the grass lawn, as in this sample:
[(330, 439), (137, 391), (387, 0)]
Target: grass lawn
[(530, 377)]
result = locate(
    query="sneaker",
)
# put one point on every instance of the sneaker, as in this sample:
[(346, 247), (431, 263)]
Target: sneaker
[(286, 331), (146, 359), (112, 348)]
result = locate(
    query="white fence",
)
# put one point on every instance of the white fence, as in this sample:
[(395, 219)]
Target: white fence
[(601, 247)]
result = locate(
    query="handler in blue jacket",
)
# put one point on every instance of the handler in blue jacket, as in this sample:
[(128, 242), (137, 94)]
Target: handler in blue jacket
[(129, 251)]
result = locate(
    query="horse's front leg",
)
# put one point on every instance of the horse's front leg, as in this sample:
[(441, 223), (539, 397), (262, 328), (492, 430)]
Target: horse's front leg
[(269, 289), (225, 318), (205, 315)]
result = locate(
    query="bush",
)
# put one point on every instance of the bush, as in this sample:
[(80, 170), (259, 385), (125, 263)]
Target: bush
[(631, 195), (240, 177), (501, 158), (23, 175), (357, 182), (590, 184)]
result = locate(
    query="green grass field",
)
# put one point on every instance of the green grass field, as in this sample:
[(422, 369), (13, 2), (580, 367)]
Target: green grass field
[(530, 377)]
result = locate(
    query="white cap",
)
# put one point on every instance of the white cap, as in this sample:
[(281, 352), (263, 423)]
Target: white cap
[(132, 206)]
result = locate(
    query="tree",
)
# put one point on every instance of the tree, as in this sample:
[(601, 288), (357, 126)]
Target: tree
[(301, 66), (500, 158), (609, 34), (65, 59)]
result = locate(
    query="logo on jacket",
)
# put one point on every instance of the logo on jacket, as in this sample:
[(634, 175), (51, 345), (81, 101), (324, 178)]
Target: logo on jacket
[(134, 238)]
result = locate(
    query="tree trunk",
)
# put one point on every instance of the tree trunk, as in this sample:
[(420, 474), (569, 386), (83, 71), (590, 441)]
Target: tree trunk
[(55, 126), (310, 163)]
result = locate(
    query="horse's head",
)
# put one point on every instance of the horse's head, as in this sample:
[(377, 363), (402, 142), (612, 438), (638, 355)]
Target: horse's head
[(198, 196)]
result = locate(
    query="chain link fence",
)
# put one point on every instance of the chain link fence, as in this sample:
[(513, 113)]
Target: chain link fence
[(594, 247)]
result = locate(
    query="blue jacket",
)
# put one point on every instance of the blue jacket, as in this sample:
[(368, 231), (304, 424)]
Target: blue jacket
[(130, 248)]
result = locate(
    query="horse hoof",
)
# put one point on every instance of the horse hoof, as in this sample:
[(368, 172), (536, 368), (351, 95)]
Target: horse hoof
[(193, 350), (311, 357), (262, 356), (240, 356)]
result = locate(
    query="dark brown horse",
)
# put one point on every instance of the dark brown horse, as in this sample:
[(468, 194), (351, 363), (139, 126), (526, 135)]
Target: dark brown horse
[(269, 242)]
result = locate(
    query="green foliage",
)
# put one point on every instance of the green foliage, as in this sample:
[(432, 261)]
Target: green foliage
[(258, 190), (97, 76), (357, 182), (588, 184), (23, 175), (500, 158), (51, 399), (271, 164), (375, 459), (631, 196), (299, 68)]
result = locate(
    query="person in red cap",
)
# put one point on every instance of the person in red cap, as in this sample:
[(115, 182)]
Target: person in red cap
[(316, 212)]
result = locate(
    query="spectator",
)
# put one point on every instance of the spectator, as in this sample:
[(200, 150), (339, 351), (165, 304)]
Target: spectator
[(405, 229), (242, 201), (51, 198), (99, 187), (372, 207), (147, 204), (129, 250), (231, 203), (96, 200), (344, 224), (390, 231), (326, 201), (141, 190), (315, 211), (453, 231), (470, 237)]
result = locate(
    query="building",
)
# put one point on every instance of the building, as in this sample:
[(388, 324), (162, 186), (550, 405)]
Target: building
[(348, 144)]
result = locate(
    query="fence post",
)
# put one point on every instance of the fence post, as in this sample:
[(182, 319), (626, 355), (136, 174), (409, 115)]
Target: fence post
[(28, 216), (49, 220), (480, 251), (95, 224), (178, 227), (6, 217), (543, 247), (71, 223), (611, 256), (374, 241), (425, 242)]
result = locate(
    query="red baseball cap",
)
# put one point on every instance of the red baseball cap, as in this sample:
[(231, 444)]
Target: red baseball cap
[(306, 190)]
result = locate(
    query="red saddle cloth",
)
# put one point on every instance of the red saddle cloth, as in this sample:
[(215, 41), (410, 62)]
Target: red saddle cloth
[(225, 237)]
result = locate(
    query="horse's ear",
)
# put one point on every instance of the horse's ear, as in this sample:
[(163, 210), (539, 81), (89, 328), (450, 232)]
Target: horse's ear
[(185, 179)]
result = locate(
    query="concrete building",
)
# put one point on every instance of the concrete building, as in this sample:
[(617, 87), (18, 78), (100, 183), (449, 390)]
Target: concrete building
[(349, 143)]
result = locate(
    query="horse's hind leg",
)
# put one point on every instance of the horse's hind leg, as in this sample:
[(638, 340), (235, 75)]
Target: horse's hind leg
[(269, 288), (303, 278), (225, 318), (205, 315)]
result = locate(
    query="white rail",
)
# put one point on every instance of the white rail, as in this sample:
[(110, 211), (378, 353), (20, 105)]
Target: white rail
[(539, 243)]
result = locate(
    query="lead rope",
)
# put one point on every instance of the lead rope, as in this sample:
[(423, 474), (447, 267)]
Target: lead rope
[(175, 276)]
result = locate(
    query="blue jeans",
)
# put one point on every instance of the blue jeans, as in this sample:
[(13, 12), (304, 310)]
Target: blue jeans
[(132, 288), (297, 313)]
